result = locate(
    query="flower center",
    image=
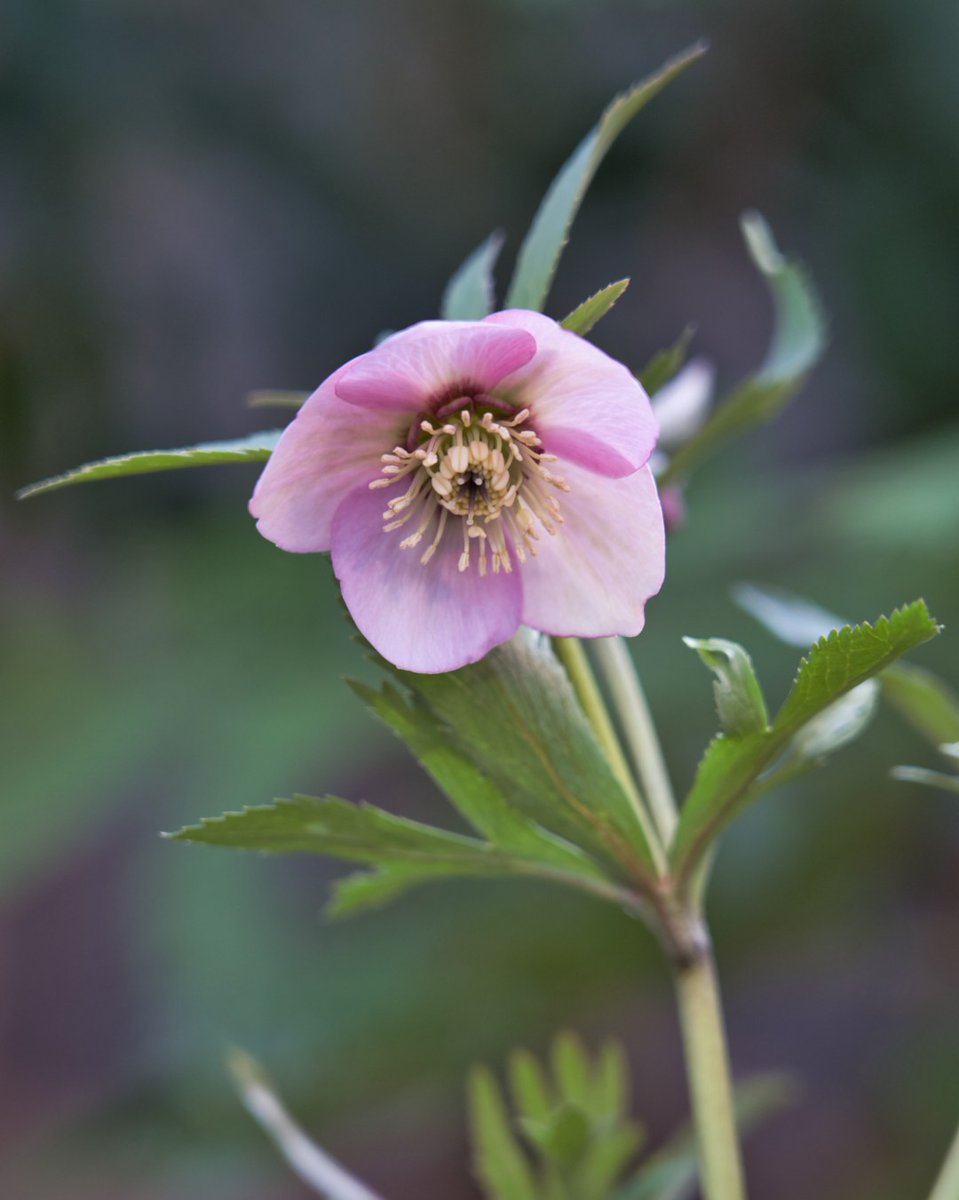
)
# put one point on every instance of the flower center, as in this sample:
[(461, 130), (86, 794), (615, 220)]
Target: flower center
[(484, 471)]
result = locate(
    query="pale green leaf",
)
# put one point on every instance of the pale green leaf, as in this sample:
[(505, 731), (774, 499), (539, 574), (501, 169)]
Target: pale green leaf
[(582, 319), (739, 698), (838, 724), (926, 702), (730, 770), (798, 341), (791, 618), (540, 252), (256, 448), (936, 779), (470, 294), (610, 1083), (532, 1095), (499, 1164), (562, 1138), (571, 1070)]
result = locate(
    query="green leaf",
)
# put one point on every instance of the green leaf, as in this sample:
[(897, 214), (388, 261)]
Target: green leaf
[(256, 448), (515, 718), (582, 319), (797, 344), (730, 770), (328, 825), (477, 797), (610, 1086), (926, 702), (470, 294), (498, 1162), (606, 1158), (540, 253), (790, 618), (666, 364), (562, 1137), (672, 1173), (571, 1070), (838, 724), (739, 698), (273, 398), (936, 779), (532, 1095)]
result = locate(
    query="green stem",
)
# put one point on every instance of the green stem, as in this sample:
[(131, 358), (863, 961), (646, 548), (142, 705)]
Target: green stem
[(708, 1073), (947, 1182), (573, 657), (621, 677)]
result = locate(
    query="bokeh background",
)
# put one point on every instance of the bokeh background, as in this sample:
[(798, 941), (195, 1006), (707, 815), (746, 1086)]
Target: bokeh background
[(200, 198)]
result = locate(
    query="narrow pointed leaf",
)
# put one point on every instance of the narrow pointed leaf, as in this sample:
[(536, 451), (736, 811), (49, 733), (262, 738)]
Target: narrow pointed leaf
[(739, 698), (531, 1093), (729, 772), (470, 295), (571, 1070), (499, 1164), (798, 341), (666, 364), (610, 1084), (541, 250), (582, 319), (256, 448)]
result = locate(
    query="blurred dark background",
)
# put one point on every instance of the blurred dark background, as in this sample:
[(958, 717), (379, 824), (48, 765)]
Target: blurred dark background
[(200, 198)]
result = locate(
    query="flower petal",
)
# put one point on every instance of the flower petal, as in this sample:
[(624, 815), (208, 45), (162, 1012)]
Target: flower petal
[(422, 617), (592, 578), (434, 360), (327, 450), (587, 408)]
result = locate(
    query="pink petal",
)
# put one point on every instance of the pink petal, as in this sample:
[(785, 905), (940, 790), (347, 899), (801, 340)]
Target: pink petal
[(328, 449), (593, 577), (586, 407), (434, 360), (421, 617)]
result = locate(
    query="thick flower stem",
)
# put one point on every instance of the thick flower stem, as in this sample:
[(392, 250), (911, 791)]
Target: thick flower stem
[(708, 1073), (627, 692), (573, 657)]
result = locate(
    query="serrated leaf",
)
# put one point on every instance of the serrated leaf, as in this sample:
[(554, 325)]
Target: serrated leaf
[(936, 779), (582, 319), (727, 776), (541, 250), (925, 700), (499, 1164), (373, 889), (515, 717), (739, 698), (275, 398), (797, 343), (256, 448), (329, 825), (477, 797), (470, 294), (666, 364)]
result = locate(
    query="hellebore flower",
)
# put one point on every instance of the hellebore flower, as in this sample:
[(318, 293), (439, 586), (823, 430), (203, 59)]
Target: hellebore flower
[(469, 477)]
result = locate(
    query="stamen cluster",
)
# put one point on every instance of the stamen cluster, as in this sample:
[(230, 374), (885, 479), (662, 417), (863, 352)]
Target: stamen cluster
[(484, 470)]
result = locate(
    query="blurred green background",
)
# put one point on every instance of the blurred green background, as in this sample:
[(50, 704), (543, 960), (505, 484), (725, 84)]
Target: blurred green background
[(202, 198)]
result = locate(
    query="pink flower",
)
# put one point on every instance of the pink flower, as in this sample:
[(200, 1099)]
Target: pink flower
[(469, 477)]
